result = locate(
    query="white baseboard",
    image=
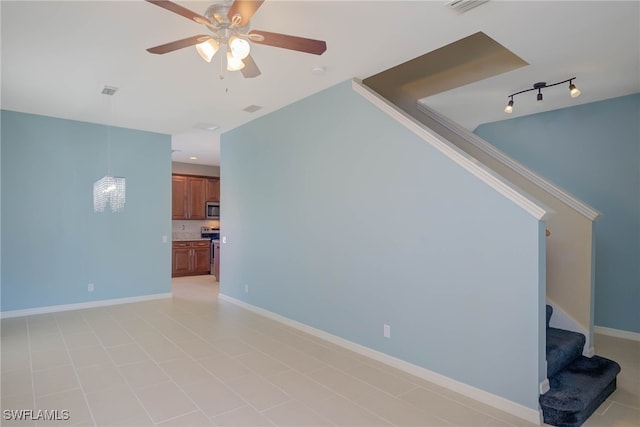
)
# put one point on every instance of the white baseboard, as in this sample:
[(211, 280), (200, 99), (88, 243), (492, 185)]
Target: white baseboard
[(618, 333), (81, 305), (531, 415)]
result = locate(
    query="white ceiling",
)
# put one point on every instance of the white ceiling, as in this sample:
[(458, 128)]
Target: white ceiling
[(57, 56)]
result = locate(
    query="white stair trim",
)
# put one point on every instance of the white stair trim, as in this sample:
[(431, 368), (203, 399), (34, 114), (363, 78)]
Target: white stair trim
[(495, 181), (516, 409), (581, 207), (544, 386), (79, 306), (560, 319)]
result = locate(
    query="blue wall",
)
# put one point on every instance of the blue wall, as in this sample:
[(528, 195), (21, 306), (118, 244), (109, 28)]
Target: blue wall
[(593, 151), (340, 218), (53, 244)]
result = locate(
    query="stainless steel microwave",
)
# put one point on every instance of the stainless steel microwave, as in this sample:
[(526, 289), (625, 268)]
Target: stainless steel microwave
[(213, 210)]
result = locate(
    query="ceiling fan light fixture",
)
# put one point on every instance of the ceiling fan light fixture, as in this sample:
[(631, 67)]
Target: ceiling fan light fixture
[(207, 49), (229, 21), (239, 47), (233, 63)]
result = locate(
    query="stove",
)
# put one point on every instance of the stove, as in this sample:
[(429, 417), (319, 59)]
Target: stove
[(212, 234)]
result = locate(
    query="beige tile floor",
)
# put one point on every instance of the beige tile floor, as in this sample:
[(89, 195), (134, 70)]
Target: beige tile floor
[(193, 360)]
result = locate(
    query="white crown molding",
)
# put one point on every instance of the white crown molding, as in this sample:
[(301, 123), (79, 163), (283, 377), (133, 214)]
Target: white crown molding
[(516, 409), (467, 162), (79, 306), (581, 207)]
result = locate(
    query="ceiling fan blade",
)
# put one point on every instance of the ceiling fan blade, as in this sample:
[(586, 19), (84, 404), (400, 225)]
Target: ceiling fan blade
[(182, 11), (301, 44), (178, 44), (244, 8), (250, 69)]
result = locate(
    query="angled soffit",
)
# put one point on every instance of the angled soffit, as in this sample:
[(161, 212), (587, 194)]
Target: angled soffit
[(465, 61)]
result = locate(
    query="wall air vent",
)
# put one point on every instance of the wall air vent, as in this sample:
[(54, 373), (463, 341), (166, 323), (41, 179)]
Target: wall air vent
[(462, 6)]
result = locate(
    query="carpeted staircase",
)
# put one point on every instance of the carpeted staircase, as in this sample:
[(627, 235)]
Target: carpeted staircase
[(578, 384)]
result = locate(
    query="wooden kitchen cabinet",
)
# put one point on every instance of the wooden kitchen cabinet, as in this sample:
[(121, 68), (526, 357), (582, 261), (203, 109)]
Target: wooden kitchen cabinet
[(181, 259), (178, 197), (188, 197), (212, 193), (202, 257), (190, 258)]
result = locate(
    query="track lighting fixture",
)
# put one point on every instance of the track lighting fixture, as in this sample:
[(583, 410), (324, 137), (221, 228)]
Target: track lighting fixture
[(574, 92)]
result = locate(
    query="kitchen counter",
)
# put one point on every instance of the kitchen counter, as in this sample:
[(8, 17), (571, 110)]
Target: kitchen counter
[(190, 239)]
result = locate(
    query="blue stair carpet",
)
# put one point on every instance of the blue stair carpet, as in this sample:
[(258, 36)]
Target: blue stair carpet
[(578, 385), (563, 347), (578, 390)]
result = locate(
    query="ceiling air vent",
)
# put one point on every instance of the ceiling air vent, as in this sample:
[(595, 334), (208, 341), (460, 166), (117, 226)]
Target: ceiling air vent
[(109, 90), (462, 6), (252, 108)]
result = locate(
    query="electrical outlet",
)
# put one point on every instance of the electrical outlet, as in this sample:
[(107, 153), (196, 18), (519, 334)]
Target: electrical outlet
[(387, 331), (246, 289), (164, 239), (90, 287)]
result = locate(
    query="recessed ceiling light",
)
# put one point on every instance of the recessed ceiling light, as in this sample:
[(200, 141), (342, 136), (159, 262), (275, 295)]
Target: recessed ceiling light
[(193, 158), (206, 126), (318, 70)]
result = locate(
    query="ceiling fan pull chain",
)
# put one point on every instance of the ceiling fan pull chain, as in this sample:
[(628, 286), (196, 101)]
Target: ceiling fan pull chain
[(221, 71)]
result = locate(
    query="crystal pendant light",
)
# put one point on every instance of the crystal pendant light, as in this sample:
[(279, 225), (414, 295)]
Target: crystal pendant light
[(109, 190)]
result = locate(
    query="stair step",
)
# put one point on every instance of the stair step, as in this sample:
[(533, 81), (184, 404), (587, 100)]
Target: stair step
[(578, 390), (563, 347)]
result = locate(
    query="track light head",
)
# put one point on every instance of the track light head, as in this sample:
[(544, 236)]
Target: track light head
[(539, 98), (573, 90), (509, 108)]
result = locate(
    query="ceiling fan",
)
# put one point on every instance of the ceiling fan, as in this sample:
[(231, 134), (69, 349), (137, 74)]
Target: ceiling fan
[(228, 21)]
